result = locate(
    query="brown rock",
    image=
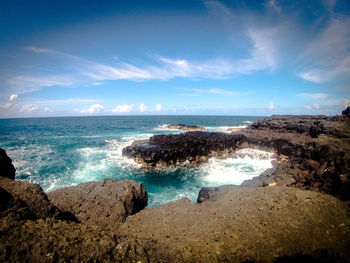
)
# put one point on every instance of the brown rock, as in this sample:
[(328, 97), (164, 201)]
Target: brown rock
[(104, 204), (240, 224)]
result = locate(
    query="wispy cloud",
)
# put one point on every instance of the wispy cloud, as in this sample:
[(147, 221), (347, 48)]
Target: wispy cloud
[(273, 4), (196, 92), (24, 84), (314, 96), (29, 108), (161, 68), (327, 57), (40, 50)]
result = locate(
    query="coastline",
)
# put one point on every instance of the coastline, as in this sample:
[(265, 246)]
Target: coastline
[(229, 223)]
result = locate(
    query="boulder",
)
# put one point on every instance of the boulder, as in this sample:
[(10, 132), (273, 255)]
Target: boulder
[(33, 198), (103, 204), (6, 167)]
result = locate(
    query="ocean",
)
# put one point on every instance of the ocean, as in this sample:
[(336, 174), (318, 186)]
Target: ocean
[(65, 151)]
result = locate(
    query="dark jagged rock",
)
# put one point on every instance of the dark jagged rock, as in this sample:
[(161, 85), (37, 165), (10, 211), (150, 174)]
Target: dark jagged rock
[(313, 151), (195, 147), (6, 167), (105, 204), (184, 127)]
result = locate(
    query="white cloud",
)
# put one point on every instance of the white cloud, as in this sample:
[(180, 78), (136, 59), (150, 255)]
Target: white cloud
[(327, 57), (47, 109), (10, 102), (159, 107), (29, 108), (13, 97), (123, 108), (271, 106), (262, 54), (143, 108), (97, 83), (95, 108), (314, 96), (315, 106)]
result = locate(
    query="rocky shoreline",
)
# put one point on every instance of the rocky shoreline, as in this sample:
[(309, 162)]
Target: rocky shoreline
[(271, 218)]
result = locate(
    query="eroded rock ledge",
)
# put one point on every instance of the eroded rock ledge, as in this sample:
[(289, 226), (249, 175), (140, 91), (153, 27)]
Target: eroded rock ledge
[(313, 151)]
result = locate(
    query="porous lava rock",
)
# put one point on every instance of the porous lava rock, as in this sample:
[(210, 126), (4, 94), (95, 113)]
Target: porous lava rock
[(105, 204), (241, 224)]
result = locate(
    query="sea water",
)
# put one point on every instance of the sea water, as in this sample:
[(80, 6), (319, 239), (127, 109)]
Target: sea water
[(65, 151)]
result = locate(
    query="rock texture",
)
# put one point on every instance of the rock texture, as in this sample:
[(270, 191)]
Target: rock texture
[(184, 127), (104, 204), (6, 167), (241, 224), (313, 151)]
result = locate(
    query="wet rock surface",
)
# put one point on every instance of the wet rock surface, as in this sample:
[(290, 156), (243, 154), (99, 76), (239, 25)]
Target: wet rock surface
[(105, 204), (184, 127), (6, 167)]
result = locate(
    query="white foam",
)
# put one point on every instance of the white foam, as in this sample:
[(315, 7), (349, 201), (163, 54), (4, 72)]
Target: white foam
[(224, 128), (248, 122), (96, 162), (247, 164)]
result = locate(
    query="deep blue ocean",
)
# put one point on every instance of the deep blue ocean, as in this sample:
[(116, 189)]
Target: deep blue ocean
[(65, 151)]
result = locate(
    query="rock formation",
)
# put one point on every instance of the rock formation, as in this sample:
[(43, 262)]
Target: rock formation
[(105, 204), (184, 127), (313, 151), (6, 167)]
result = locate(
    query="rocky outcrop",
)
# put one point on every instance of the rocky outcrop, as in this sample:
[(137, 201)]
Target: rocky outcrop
[(195, 147), (6, 167), (104, 204), (184, 127), (241, 224), (32, 197), (313, 152)]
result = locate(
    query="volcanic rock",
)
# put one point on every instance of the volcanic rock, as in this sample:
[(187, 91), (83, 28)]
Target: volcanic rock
[(104, 204), (6, 167), (184, 127), (241, 224), (313, 152)]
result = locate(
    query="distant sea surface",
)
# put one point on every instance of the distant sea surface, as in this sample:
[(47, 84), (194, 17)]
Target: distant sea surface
[(66, 151)]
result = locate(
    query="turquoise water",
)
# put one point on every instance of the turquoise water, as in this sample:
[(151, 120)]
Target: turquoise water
[(65, 151)]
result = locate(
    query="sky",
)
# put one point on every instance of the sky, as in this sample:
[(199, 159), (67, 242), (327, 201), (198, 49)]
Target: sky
[(194, 57)]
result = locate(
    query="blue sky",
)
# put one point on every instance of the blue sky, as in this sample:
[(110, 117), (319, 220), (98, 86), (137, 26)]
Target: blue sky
[(81, 58)]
